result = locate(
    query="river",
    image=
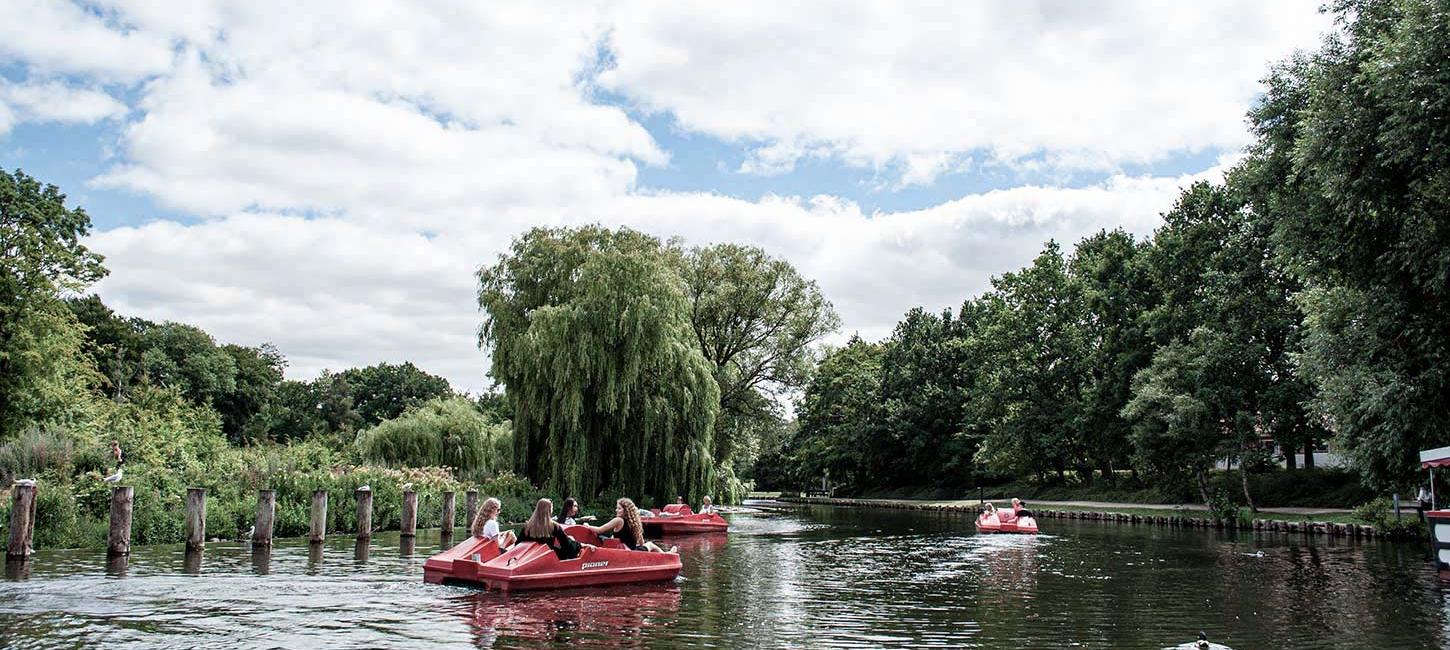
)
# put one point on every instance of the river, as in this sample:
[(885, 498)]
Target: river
[(783, 577)]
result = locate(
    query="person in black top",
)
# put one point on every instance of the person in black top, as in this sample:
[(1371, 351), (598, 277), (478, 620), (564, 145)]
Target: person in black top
[(627, 528), (542, 529)]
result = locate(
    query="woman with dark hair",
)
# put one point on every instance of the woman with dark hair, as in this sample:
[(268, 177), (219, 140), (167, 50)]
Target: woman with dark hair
[(569, 513), (627, 528), (542, 529)]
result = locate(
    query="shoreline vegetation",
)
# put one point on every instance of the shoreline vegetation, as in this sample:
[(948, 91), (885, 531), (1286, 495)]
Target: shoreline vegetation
[(1299, 301), (1337, 524)]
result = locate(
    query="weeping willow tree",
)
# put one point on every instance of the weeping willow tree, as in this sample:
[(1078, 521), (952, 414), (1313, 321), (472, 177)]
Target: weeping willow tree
[(590, 335)]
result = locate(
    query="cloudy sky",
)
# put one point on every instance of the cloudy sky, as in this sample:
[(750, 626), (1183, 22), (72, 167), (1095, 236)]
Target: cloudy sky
[(326, 176)]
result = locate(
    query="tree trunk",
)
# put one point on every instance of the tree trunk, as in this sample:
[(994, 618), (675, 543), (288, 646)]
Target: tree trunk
[(1290, 463), (1244, 476), (1202, 487), (1309, 454)]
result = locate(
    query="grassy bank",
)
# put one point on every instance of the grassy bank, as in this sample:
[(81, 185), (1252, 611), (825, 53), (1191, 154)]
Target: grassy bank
[(1316, 488), (72, 502)]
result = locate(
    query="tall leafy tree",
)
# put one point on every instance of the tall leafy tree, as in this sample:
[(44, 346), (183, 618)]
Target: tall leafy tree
[(1032, 377), (1109, 268), (838, 415), (385, 391), (754, 319), (259, 374), (924, 378), (590, 335), (1352, 166), (41, 255)]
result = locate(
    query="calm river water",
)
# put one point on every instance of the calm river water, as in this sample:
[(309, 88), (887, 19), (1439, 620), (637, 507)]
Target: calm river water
[(795, 577)]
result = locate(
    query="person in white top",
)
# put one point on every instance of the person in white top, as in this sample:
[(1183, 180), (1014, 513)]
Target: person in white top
[(707, 507), (485, 525)]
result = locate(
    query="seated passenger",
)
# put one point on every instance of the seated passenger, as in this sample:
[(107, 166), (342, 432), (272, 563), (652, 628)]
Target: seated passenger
[(707, 507), (485, 524), (542, 529), (568, 513), (1019, 508), (627, 529)]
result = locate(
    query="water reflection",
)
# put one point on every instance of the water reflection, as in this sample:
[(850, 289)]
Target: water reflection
[(314, 558), (262, 560), (406, 546), (17, 569), (816, 577), (191, 562), (116, 565), (607, 617)]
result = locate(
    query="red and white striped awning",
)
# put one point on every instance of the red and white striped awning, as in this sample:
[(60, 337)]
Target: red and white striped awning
[(1435, 458)]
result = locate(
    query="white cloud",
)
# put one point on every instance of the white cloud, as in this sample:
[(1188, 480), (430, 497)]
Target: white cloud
[(56, 36), (418, 139), (882, 84), (55, 102)]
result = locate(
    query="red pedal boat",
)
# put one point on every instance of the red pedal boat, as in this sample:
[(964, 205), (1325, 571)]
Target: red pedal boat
[(529, 565), (679, 519), (998, 521)]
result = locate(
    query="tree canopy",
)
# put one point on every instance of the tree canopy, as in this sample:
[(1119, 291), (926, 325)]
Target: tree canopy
[(590, 335)]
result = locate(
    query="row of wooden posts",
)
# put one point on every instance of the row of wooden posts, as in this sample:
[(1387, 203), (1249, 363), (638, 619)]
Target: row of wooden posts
[(118, 540)]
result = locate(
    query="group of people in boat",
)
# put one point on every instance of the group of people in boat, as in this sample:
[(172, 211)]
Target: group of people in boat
[(1019, 510), (544, 527)]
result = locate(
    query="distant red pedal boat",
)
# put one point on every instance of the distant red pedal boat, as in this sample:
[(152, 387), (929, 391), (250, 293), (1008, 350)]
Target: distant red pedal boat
[(529, 565), (679, 519), (999, 522)]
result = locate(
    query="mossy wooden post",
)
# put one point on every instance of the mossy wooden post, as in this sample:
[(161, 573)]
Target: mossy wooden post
[(195, 518), (319, 517), (449, 512), (22, 521), (118, 542), (266, 514), (409, 525), (470, 507), (364, 512)]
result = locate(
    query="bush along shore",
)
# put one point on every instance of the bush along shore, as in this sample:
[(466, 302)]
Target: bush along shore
[(1408, 528)]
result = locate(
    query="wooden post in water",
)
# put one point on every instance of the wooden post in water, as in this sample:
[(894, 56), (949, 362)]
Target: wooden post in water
[(195, 518), (266, 514), (22, 520), (119, 540), (470, 508), (319, 517), (409, 524), (364, 512), (449, 510)]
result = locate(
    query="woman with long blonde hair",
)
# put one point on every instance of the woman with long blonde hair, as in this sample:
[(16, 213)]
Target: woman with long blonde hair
[(542, 529), (485, 523), (627, 528)]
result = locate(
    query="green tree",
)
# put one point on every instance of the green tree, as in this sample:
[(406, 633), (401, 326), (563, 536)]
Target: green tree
[(113, 343), (839, 415), (755, 319), (1032, 382), (1109, 267), (385, 391), (924, 381), (258, 375), (187, 358), (444, 432), (590, 335), (1352, 167), (40, 256)]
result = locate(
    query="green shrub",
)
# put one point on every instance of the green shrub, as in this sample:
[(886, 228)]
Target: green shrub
[(36, 452), (445, 432), (1380, 513)]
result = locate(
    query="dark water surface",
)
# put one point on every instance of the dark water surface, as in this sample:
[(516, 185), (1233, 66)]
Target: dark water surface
[(798, 577)]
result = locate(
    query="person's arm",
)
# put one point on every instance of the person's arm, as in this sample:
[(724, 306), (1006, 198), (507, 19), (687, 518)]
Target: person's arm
[(607, 527)]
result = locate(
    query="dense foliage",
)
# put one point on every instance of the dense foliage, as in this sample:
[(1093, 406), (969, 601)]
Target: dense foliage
[(1304, 298), (446, 432), (642, 368)]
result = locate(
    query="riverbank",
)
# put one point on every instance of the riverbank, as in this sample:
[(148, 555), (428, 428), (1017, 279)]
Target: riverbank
[(1322, 521)]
